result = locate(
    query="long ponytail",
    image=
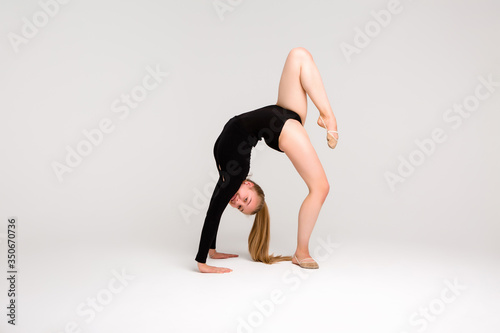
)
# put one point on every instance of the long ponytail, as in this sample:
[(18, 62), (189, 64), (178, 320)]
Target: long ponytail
[(259, 238)]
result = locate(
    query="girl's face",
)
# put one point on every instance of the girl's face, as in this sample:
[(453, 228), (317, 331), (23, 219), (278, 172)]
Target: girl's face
[(245, 200)]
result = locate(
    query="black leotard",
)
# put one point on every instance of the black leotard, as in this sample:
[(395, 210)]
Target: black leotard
[(232, 155)]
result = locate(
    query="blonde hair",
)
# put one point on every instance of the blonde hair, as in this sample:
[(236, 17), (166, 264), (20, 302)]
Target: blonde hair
[(258, 240)]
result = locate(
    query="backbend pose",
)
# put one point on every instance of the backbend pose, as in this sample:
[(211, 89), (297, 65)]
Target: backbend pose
[(281, 126)]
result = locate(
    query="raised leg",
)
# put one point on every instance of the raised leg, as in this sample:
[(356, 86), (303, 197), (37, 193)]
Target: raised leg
[(300, 76)]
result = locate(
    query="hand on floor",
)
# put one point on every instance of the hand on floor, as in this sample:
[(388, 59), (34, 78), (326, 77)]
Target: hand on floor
[(204, 268), (219, 255)]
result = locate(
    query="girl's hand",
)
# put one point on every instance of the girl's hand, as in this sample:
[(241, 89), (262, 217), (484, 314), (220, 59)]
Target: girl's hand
[(204, 268), (218, 255)]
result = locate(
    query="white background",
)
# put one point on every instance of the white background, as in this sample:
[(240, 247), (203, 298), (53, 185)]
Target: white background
[(122, 206)]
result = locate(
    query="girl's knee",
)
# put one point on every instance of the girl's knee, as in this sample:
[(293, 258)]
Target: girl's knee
[(321, 190), (300, 52), (325, 189)]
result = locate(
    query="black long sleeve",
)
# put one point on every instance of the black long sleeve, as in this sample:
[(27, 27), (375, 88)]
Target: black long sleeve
[(223, 192)]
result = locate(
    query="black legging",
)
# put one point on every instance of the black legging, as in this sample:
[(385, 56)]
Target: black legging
[(232, 151)]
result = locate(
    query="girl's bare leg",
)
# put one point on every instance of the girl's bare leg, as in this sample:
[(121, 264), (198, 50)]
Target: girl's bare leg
[(295, 142), (300, 77)]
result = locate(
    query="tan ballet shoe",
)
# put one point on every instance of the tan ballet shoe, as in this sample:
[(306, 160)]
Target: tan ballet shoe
[(306, 263), (333, 145)]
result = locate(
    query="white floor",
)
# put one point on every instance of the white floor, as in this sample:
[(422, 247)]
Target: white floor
[(360, 287)]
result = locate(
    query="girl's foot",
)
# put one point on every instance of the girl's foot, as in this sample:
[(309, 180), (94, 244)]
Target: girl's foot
[(330, 124), (305, 262)]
